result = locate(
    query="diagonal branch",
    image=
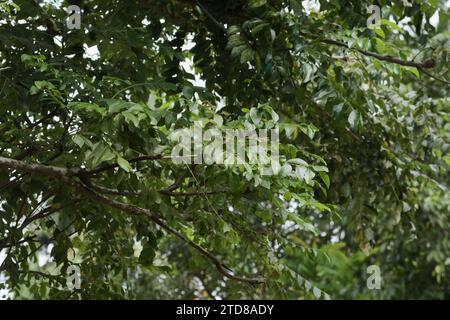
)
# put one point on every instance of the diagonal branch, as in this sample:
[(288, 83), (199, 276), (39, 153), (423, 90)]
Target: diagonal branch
[(434, 77), (157, 219), (67, 176)]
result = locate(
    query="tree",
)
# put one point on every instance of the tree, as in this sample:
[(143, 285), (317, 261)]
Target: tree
[(87, 176)]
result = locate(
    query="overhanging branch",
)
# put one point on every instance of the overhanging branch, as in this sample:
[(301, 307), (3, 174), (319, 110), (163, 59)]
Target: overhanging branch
[(67, 176)]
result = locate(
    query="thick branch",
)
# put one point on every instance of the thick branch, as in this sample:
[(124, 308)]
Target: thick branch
[(49, 171), (66, 175)]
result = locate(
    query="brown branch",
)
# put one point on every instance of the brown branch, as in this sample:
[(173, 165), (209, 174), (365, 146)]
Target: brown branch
[(67, 176), (419, 65), (157, 219), (49, 171)]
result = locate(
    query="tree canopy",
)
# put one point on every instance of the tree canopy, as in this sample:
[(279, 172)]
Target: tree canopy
[(87, 177)]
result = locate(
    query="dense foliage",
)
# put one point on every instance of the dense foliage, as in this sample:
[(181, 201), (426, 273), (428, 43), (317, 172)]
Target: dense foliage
[(86, 178)]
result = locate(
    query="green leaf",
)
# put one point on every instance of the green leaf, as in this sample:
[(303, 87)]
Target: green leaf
[(131, 118), (257, 3), (116, 105), (380, 32), (325, 178), (85, 107), (354, 119), (304, 225), (247, 55), (188, 92), (79, 141), (309, 130), (390, 24), (124, 164), (413, 70), (147, 254)]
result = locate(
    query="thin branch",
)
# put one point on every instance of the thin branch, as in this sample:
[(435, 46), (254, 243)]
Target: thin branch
[(210, 16), (419, 65), (177, 182), (434, 77), (47, 212), (4, 245), (44, 118), (139, 193), (115, 165), (39, 273)]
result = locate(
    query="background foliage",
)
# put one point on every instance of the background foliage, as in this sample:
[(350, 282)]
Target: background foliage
[(364, 112)]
